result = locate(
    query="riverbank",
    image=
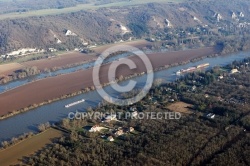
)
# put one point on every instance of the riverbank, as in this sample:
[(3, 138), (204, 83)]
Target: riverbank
[(56, 88)]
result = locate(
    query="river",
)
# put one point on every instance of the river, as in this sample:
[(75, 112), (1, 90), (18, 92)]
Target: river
[(56, 111), (17, 83)]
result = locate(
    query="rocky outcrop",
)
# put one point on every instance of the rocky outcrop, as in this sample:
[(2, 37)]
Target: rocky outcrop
[(242, 14), (234, 16), (169, 24), (70, 33), (218, 17)]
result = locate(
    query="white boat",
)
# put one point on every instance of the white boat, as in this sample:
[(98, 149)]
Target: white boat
[(75, 103), (203, 65), (178, 72), (190, 69)]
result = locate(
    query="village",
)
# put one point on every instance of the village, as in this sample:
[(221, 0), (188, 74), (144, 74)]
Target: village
[(111, 128), (114, 125)]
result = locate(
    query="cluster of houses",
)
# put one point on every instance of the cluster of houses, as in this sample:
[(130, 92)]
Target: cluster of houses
[(22, 52), (119, 132), (114, 132)]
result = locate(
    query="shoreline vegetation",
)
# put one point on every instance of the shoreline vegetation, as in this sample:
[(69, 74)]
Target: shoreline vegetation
[(92, 88)]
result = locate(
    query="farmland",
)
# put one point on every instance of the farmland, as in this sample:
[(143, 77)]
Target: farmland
[(60, 61), (14, 154), (9, 68)]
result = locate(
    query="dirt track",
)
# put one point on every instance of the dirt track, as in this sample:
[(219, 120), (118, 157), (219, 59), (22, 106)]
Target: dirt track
[(55, 87)]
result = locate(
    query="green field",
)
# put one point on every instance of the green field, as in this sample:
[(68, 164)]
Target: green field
[(14, 154), (45, 12)]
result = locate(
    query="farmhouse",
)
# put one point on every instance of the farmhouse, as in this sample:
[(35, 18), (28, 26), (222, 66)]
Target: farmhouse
[(95, 128), (234, 71), (131, 129), (110, 138), (119, 133)]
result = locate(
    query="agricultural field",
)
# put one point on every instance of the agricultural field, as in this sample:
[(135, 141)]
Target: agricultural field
[(60, 61), (14, 154), (9, 68)]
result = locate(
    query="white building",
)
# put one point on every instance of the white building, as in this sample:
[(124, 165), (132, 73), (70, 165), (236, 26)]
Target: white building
[(211, 115), (131, 129), (119, 133), (110, 138), (234, 71), (220, 77), (95, 128)]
